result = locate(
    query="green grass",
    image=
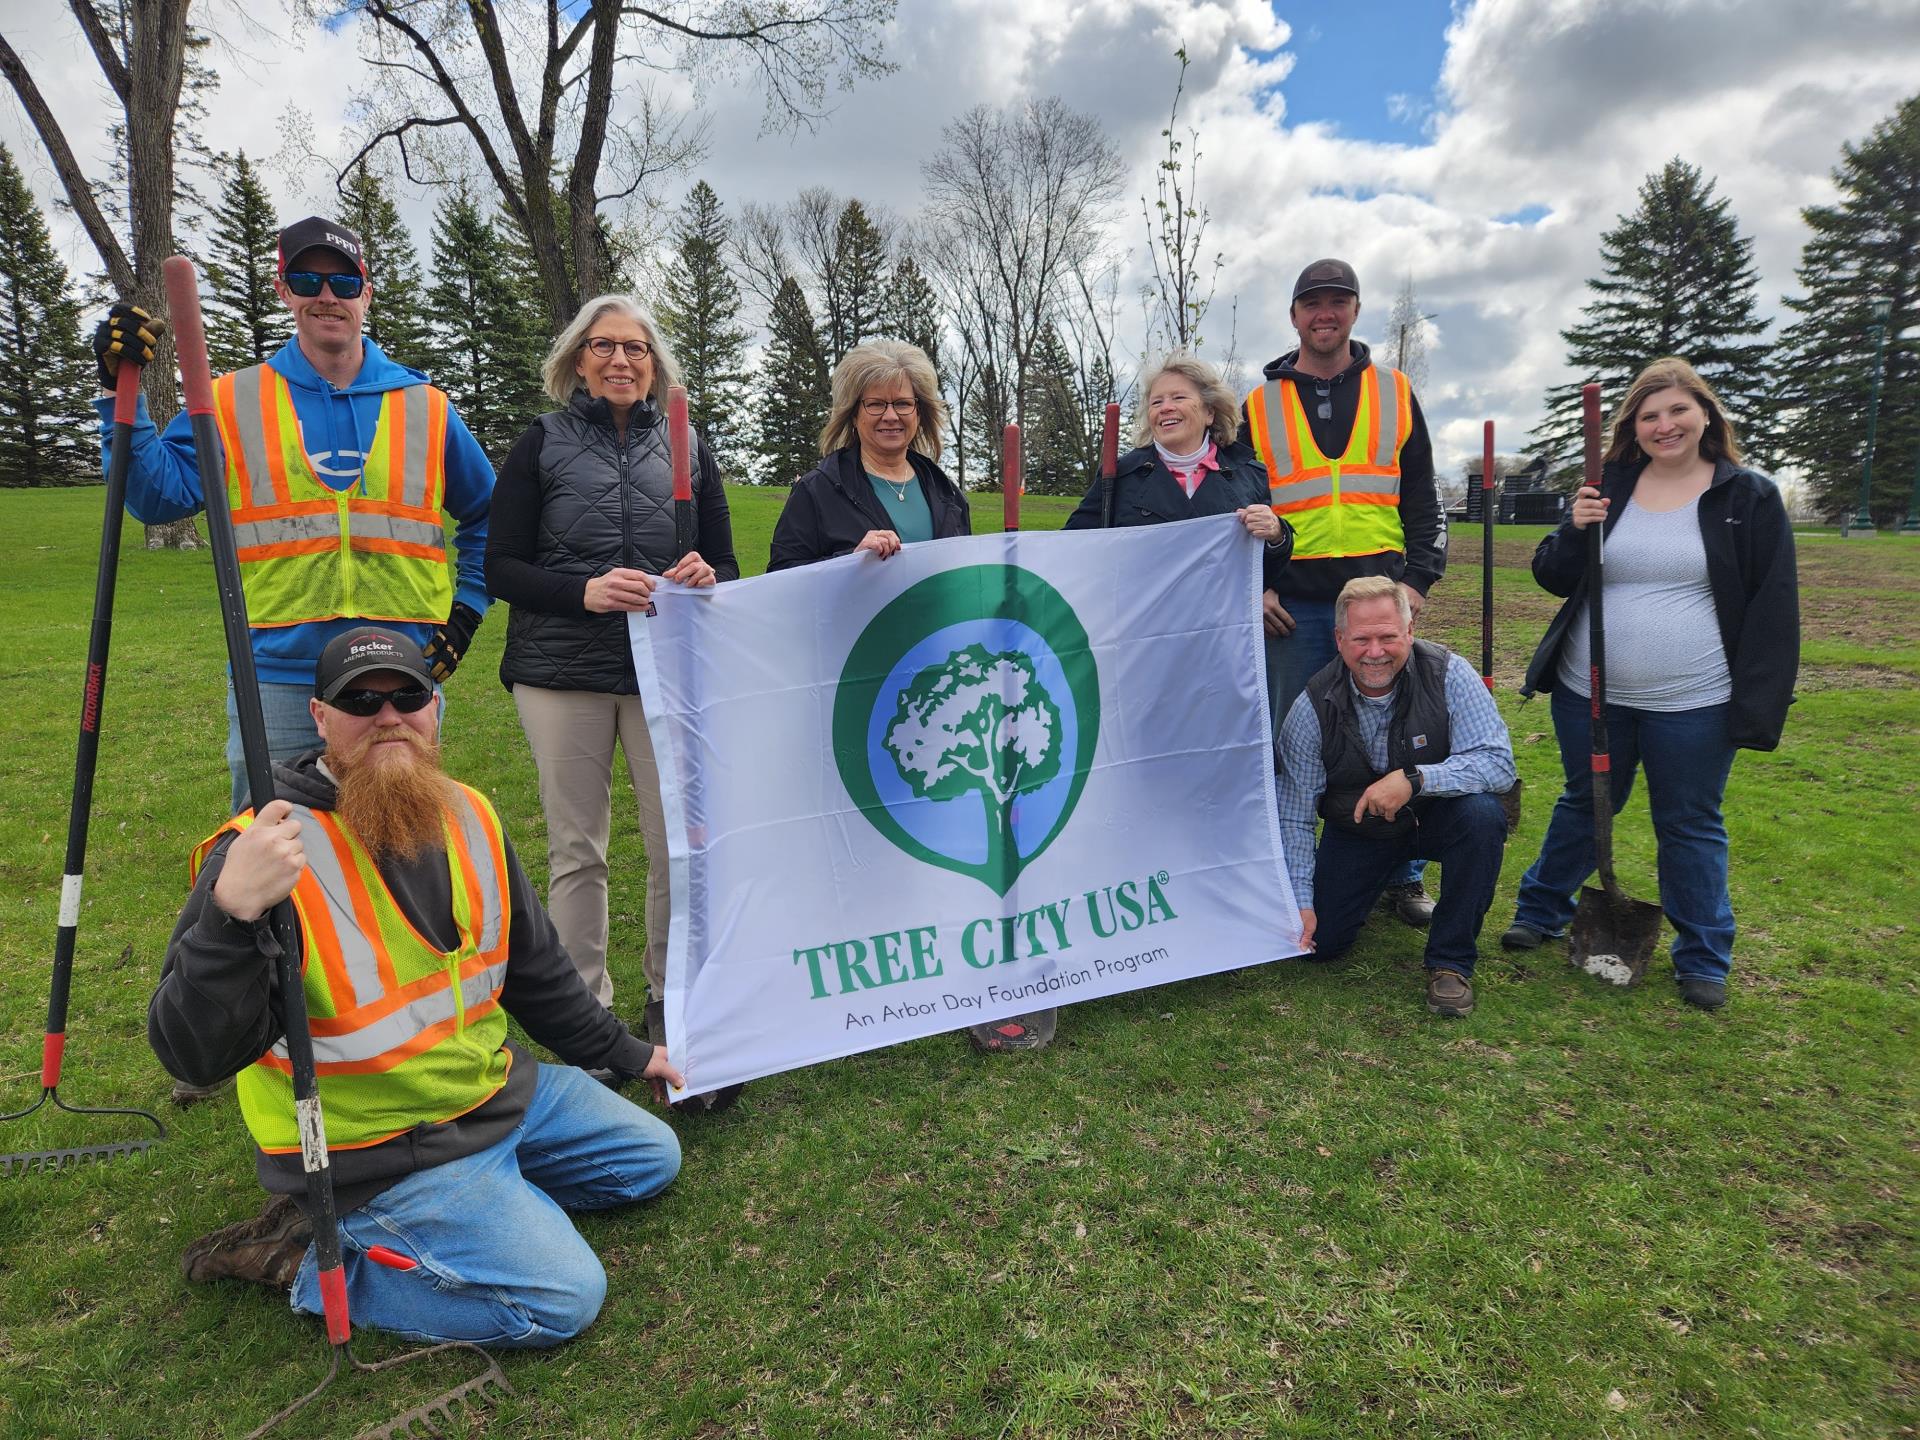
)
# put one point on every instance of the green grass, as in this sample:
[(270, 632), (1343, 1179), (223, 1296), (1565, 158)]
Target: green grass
[(1278, 1202)]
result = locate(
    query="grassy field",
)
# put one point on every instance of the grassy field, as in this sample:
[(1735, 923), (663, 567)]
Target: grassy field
[(1280, 1202)]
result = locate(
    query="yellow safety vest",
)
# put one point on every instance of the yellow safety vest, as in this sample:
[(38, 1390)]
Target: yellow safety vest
[(403, 1033), (374, 551), (1337, 507)]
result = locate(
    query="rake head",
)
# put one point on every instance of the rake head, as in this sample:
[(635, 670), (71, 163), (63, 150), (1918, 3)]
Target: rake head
[(449, 1413), (30, 1160)]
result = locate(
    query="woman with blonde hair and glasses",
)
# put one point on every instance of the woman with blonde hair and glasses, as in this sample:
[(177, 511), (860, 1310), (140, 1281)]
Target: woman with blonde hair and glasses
[(877, 486), (581, 532), (1702, 623)]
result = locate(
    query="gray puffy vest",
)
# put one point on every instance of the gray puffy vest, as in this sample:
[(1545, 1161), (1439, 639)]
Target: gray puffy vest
[(604, 506), (1419, 713)]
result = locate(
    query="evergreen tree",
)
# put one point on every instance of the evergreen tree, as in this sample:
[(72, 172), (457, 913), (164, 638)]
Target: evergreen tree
[(49, 433), (245, 320), (699, 311), (1054, 443), (793, 385), (522, 333), (479, 358), (912, 311), (1678, 280), (853, 285), (396, 319), (1864, 248)]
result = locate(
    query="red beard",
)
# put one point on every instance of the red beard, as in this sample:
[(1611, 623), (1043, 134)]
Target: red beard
[(394, 800)]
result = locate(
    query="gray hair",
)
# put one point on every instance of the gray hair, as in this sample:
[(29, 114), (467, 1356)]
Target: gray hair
[(1370, 587), (560, 378), (1214, 394), (875, 363)]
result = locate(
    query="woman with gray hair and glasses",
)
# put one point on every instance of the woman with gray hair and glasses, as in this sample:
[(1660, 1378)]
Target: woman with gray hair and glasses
[(876, 487), (581, 532)]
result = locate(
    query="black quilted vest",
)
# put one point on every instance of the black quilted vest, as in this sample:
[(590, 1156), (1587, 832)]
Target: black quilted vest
[(604, 505), (1419, 713)]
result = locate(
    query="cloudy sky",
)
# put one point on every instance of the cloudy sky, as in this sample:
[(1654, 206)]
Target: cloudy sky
[(1480, 147)]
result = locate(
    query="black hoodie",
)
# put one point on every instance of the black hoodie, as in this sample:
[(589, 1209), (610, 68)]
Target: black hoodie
[(831, 508), (1423, 521), (216, 1010)]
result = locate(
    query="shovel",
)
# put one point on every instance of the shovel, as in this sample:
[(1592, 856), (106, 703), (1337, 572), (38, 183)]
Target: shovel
[(438, 1414), (126, 392), (1613, 934)]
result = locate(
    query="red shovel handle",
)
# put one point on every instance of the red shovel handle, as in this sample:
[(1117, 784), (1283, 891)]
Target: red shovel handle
[(1010, 477)]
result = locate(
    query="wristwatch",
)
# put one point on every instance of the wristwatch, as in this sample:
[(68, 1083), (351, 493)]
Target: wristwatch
[(1412, 772)]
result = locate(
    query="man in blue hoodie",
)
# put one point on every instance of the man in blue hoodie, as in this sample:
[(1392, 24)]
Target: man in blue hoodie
[(341, 469)]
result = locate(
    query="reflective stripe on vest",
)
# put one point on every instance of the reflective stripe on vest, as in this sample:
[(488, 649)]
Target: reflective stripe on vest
[(403, 1033), (374, 551), (1338, 507)]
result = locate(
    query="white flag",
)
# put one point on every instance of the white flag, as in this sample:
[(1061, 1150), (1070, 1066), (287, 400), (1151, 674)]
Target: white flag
[(983, 777)]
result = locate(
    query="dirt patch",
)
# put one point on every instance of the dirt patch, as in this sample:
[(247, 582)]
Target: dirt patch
[(1815, 678)]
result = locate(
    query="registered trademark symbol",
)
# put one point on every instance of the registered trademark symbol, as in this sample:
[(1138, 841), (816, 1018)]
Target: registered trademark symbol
[(1162, 877)]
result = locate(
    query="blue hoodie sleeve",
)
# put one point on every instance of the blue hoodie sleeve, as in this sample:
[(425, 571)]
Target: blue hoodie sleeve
[(469, 500), (163, 475)]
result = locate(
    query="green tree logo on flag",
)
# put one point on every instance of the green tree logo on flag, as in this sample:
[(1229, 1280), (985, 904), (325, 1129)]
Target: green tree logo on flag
[(966, 720)]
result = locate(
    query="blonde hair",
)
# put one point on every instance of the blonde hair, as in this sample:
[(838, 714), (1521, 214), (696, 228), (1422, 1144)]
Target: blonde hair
[(875, 363), (1670, 372), (558, 375), (1214, 394), (1370, 587)]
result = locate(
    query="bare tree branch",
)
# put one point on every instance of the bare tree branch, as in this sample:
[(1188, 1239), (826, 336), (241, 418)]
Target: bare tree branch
[(101, 39)]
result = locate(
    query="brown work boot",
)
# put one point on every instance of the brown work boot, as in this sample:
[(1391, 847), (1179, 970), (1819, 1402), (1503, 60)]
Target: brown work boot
[(267, 1249), (185, 1094), (1448, 993), (1411, 903)]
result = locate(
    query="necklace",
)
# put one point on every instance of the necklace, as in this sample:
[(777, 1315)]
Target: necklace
[(899, 487)]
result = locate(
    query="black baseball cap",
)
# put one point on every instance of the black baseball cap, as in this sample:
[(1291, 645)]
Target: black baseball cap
[(326, 234), (1327, 275), (366, 650)]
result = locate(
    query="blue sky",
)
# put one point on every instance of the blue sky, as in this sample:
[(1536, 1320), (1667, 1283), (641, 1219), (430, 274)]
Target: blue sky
[(1353, 56)]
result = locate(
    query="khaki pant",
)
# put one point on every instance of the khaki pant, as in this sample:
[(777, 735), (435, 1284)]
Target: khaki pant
[(572, 734)]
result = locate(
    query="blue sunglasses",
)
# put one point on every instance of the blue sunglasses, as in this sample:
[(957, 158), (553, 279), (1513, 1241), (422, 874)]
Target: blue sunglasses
[(306, 284)]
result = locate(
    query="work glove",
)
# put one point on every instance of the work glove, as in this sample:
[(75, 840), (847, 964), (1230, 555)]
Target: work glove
[(450, 641), (128, 331)]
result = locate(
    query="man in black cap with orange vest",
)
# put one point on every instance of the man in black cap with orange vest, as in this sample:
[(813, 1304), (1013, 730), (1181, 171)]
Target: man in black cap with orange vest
[(1350, 466), (455, 1154)]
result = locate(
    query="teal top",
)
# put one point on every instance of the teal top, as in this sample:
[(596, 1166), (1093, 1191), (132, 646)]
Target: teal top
[(911, 518)]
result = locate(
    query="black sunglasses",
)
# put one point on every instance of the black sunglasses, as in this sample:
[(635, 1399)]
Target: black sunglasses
[(306, 284), (367, 703)]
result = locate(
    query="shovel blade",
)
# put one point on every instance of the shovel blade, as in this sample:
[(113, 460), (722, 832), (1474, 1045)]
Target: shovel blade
[(1613, 936)]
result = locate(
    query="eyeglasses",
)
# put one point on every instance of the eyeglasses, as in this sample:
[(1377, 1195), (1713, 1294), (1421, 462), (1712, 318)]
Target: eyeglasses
[(306, 284), (604, 348), (880, 407), (368, 703)]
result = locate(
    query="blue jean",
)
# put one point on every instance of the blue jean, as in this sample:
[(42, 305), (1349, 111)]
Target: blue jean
[(1687, 756), (1296, 659), (1467, 834), (499, 1262)]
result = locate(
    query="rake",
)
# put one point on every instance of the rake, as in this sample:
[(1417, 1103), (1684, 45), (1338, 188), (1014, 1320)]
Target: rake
[(196, 380), (126, 392)]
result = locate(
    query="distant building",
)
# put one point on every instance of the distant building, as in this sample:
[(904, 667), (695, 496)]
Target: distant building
[(1521, 494)]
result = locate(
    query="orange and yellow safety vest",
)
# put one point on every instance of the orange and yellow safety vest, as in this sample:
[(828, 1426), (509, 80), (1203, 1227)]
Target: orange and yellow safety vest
[(374, 551), (1338, 507), (403, 1033)]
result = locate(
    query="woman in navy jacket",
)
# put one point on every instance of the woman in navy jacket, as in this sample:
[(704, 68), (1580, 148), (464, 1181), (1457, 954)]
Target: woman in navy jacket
[(1703, 645)]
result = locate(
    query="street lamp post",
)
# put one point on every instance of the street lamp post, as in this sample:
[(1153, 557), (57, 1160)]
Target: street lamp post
[(1863, 521)]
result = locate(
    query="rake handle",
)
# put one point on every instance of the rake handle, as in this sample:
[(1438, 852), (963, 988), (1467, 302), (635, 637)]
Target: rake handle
[(1010, 478), (680, 452), (1602, 761), (1486, 556), (1109, 463), (196, 379)]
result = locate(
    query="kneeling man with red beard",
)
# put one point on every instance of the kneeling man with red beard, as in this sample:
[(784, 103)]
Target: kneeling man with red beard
[(455, 1155)]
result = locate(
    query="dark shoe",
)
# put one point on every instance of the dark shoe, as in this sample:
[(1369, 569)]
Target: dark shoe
[(714, 1102), (1521, 936), (1411, 904), (1021, 1032), (1703, 994), (267, 1249), (1448, 993), (185, 1094)]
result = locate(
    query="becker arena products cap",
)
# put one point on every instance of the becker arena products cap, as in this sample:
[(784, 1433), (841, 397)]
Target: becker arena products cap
[(365, 651), (1327, 275), (330, 234)]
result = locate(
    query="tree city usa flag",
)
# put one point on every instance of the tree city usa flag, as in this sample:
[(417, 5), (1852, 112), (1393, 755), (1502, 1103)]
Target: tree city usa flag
[(983, 777)]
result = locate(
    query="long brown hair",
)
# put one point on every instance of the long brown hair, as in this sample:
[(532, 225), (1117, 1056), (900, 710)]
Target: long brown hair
[(1670, 372)]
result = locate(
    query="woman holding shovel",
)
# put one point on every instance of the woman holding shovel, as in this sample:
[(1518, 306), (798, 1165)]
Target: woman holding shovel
[(1702, 643)]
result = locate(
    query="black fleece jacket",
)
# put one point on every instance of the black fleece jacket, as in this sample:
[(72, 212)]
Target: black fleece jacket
[(832, 507), (1423, 520), (217, 1008), (1750, 570)]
